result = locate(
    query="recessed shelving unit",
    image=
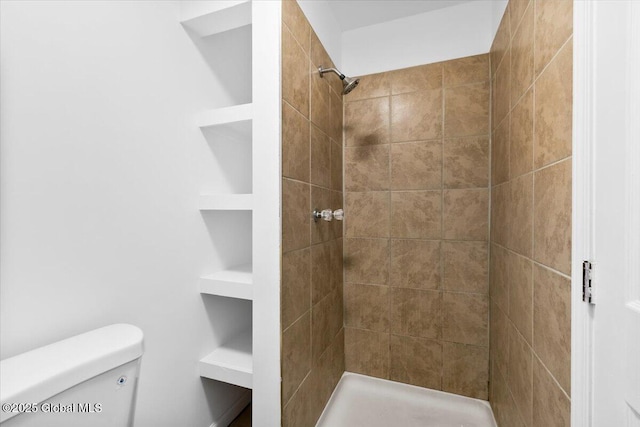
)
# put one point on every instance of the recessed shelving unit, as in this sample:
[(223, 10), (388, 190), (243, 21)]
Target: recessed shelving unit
[(231, 363), (219, 30), (236, 282), (238, 167)]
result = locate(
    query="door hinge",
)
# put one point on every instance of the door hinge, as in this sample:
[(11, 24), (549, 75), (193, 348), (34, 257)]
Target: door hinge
[(587, 284)]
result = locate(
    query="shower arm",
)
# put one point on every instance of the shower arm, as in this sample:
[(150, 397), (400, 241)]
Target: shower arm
[(326, 70)]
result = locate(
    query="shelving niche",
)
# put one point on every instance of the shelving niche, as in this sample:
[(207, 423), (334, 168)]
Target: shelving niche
[(235, 282), (231, 363), (222, 32), (226, 169)]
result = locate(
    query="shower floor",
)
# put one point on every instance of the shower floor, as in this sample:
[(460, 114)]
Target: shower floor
[(361, 401)]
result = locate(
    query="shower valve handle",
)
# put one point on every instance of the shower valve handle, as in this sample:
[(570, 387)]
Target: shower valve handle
[(325, 214), (328, 215)]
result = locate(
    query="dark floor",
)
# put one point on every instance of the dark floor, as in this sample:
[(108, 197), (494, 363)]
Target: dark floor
[(244, 419)]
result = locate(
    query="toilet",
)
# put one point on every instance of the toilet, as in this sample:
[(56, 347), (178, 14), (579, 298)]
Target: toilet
[(86, 380)]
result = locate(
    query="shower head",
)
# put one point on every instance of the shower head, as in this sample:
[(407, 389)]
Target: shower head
[(348, 83)]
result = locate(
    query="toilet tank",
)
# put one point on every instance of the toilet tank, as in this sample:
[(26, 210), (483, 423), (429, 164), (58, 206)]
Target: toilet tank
[(86, 380)]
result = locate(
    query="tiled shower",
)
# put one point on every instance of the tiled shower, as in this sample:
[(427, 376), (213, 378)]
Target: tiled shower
[(417, 203), (455, 178)]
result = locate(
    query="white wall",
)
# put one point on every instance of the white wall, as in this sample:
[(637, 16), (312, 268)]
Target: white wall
[(440, 35), (326, 26), (98, 192), (448, 33)]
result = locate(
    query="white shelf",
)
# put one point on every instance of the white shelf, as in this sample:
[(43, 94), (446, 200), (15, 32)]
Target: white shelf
[(231, 363), (226, 202), (236, 282), (226, 115), (209, 18), (228, 124)]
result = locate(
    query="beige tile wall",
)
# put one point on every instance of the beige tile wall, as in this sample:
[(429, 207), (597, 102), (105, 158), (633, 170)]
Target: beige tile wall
[(531, 62), (312, 273), (417, 226)]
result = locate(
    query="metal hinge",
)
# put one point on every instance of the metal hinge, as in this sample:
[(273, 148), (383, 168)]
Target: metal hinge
[(587, 284)]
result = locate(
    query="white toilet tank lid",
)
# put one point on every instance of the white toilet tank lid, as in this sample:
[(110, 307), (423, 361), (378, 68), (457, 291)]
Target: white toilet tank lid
[(39, 374)]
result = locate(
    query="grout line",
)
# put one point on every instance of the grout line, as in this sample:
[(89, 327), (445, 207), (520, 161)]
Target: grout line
[(409, 92), (390, 259), (555, 55), (533, 185), (531, 352), (555, 162), (332, 341), (551, 269), (439, 289), (430, 140), (343, 225), (417, 141), (433, 190), (367, 99), (420, 239), (296, 39), (532, 171), (311, 207), (507, 117), (442, 131), (499, 123), (442, 314), (295, 109), (426, 239), (546, 267), (500, 61), (535, 77), (506, 16), (519, 23), (533, 101), (509, 139), (297, 320), (523, 94), (488, 243), (552, 376), (305, 182), (297, 388), (417, 337)]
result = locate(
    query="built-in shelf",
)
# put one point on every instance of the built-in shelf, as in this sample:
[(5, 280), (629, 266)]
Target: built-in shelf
[(226, 202), (225, 115), (236, 282), (216, 17), (231, 363), (228, 124)]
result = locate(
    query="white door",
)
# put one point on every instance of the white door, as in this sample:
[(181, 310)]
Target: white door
[(614, 242)]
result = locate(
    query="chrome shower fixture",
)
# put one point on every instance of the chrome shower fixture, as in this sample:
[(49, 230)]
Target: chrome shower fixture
[(328, 215), (348, 83)]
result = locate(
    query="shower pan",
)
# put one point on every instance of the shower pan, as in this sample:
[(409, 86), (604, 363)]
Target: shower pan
[(361, 400)]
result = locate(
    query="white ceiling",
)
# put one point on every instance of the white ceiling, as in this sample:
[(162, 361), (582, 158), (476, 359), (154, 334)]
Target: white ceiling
[(352, 14)]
